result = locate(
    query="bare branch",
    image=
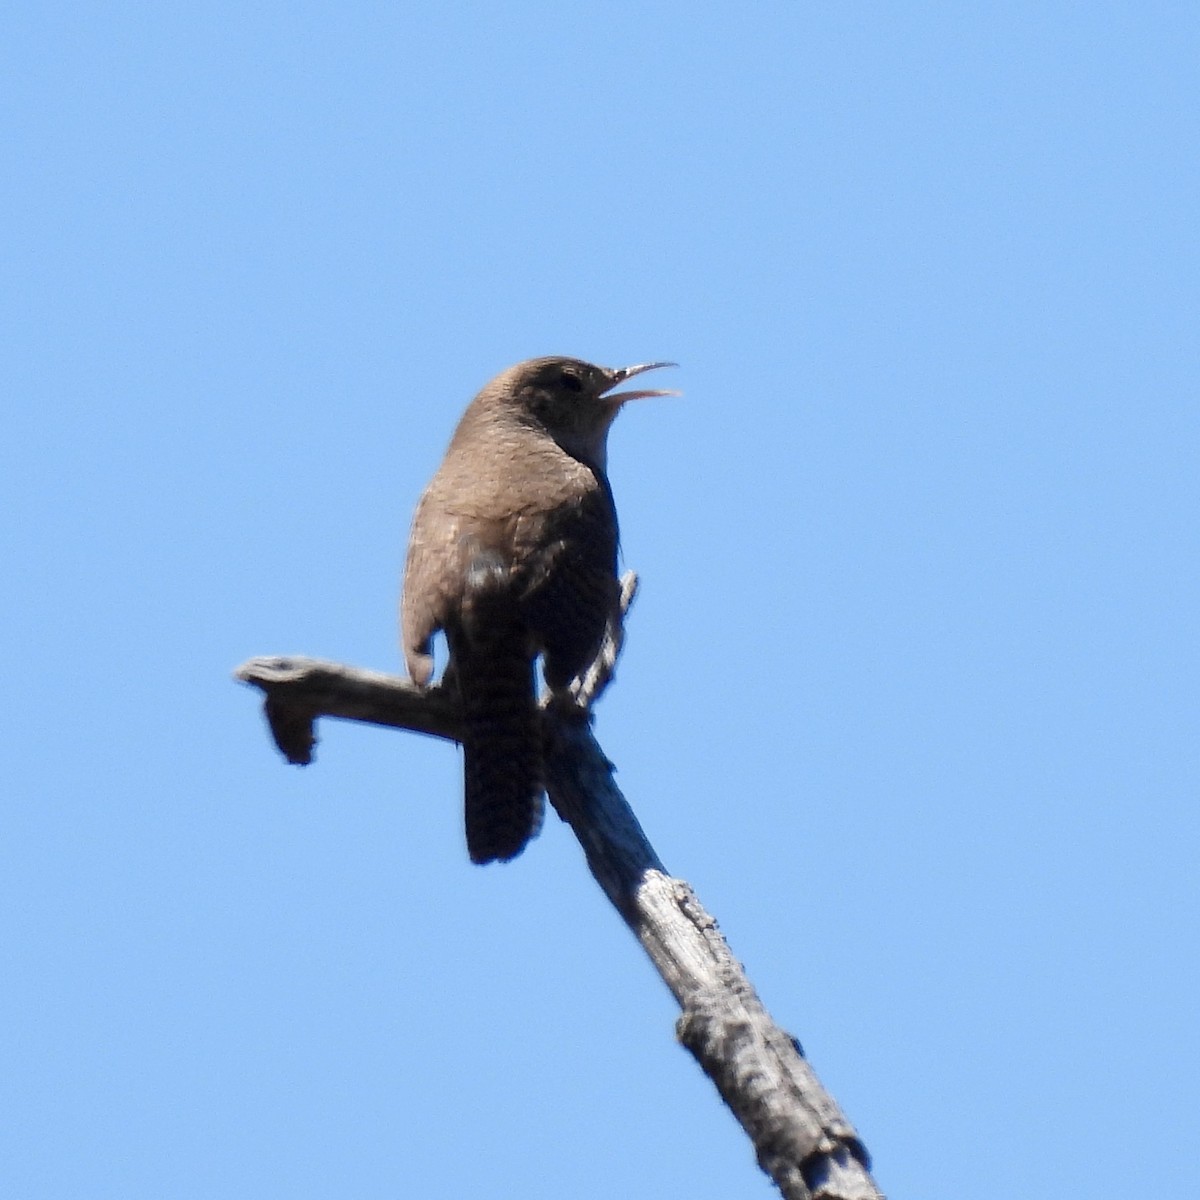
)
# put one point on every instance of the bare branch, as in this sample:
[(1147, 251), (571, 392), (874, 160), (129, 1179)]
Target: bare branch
[(802, 1139), (298, 690)]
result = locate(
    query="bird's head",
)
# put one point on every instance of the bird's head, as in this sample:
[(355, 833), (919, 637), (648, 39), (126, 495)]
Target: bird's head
[(575, 402)]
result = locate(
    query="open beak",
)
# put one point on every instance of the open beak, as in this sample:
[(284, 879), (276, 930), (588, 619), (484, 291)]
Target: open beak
[(623, 373)]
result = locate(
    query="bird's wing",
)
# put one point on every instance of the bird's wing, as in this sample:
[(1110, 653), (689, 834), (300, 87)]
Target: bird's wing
[(431, 572)]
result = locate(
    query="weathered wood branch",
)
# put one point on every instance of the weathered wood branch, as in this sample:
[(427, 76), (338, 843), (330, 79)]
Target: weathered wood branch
[(802, 1139)]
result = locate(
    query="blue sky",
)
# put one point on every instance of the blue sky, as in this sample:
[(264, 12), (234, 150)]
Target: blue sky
[(910, 690)]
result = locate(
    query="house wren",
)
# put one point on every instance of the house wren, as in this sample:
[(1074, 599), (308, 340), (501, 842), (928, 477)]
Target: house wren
[(514, 554)]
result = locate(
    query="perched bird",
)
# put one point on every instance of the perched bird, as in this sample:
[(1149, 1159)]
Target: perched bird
[(513, 554)]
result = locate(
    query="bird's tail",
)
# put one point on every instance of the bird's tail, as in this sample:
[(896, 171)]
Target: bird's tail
[(502, 746)]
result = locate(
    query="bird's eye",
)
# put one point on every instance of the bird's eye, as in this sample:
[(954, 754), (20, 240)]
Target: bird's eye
[(570, 381)]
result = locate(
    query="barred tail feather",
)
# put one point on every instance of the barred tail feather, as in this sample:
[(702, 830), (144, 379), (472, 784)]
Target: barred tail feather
[(502, 759), (502, 748)]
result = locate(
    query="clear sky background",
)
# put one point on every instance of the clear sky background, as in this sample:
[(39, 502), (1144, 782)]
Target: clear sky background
[(910, 693)]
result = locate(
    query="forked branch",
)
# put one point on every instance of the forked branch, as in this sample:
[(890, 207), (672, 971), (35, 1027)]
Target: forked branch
[(802, 1139)]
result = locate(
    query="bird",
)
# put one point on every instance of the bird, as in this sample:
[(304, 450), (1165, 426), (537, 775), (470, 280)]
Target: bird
[(513, 555)]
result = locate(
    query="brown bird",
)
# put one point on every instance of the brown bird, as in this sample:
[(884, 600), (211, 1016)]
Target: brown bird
[(513, 554)]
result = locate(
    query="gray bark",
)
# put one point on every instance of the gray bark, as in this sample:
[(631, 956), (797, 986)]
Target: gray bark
[(801, 1138)]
